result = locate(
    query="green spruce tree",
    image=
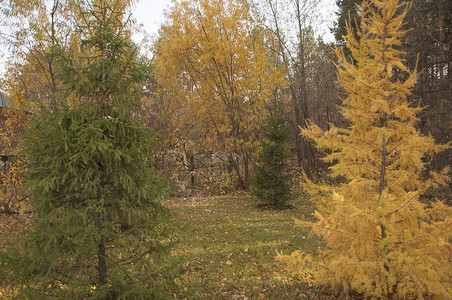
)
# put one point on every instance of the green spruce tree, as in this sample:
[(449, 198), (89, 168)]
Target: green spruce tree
[(271, 180), (99, 224), (347, 14)]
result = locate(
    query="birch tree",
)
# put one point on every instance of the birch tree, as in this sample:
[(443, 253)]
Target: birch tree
[(212, 61)]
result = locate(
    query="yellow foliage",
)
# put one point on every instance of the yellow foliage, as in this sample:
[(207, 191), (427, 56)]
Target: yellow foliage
[(215, 76), (11, 129), (380, 240)]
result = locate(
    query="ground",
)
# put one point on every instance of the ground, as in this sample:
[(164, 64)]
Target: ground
[(227, 248)]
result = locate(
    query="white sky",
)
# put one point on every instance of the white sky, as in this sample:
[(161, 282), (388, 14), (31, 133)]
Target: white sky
[(150, 14)]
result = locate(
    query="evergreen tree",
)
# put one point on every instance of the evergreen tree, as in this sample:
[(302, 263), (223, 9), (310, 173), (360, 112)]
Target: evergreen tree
[(381, 241), (271, 180), (99, 223), (347, 14)]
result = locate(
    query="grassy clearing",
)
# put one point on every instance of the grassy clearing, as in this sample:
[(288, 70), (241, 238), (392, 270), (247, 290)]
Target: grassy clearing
[(11, 225), (227, 247)]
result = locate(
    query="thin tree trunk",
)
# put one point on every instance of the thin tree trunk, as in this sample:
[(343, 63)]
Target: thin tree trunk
[(236, 166), (101, 254), (382, 187), (192, 172), (246, 171), (382, 182), (384, 123), (301, 68), (53, 104), (298, 138), (442, 40)]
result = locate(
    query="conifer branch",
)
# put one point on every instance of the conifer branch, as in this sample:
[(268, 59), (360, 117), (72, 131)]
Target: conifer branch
[(134, 258), (422, 237), (339, 231), (405, 204)]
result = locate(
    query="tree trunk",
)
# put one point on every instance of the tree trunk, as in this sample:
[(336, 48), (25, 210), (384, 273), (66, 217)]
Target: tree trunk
[(236, 166), (303, 97), (53, 104), (101, 254), (382, 187), (246, 171), (191, 169)]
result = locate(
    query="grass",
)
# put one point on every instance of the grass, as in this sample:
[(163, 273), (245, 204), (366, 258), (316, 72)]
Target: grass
[(227, 249)]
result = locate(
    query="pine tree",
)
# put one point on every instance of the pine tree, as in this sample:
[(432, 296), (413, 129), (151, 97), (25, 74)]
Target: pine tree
[(380, 240), (271, 180), (99, 224)]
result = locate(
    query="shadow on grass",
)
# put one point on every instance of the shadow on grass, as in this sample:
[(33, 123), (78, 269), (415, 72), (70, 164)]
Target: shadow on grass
[(228, 246)]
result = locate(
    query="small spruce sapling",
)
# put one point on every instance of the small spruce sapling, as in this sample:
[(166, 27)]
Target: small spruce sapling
[(272, 182)]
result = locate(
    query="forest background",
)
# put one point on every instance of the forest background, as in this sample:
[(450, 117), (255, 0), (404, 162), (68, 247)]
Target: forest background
[(215, 73), (201, 155)]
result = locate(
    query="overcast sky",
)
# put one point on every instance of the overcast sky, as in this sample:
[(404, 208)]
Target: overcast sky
[(150, 14)]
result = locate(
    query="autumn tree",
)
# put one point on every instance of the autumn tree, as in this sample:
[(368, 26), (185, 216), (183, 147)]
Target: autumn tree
[(16, 107), (427, 48), (37, 29), (211, 62), (13, 121), (380, 240), (99, 224), (32, 31), (40, 32), (323, 86)]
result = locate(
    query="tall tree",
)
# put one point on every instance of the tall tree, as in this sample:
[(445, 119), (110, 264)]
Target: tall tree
[(211, 60), (381, 241), (347, 14), (98, 218), (36, 29), (428, 46), (296, 61)]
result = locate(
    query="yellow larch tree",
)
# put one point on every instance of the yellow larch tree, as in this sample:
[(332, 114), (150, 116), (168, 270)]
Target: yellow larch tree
[(212, 64), (381, 242)]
